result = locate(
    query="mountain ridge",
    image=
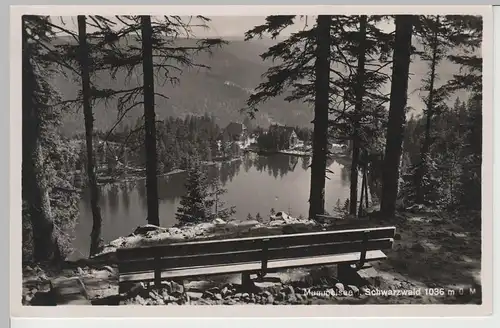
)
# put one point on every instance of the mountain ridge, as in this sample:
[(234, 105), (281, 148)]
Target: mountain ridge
[(222, 91)]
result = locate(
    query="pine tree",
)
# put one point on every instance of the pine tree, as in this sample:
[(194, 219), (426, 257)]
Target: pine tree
[(467, 34), (434, 34), (95, 236), (158, 52), (193, 207), (48, 199), (397, 112), (305, 62), (363, 51), (149, 120), (215, 202)]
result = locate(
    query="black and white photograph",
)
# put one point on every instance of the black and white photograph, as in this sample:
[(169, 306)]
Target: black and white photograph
[(307, 159)]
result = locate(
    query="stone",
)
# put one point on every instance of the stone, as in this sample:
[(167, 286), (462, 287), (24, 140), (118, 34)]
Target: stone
[(176, 288), (194, 295), (270, 299), (140, 300), (354, 289), (214, 290), (136, 288), (370, 275), (299, 297), (142, 230), (281, 296), (225, 291), (245, 295), (219, 221), (218, 296), (27, 298), (291, 298), (197, 286), (108, 268), (267, 285), (170, 299), (208, 294), (42, 277), (339, 287), (229, 301), (238, 295), (288, 290), (267, 293)]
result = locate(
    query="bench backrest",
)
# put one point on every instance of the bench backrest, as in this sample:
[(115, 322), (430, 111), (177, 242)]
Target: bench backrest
[(251, 249)]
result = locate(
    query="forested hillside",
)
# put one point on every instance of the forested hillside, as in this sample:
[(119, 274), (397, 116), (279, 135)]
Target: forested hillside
[(235, 69)]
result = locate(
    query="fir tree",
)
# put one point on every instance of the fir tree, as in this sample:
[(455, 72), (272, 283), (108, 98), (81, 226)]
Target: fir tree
[(305, 69), (49, 200), (193, 205), (95, 236), (161, 59), (214, 201), (397, 112), (435, 34)]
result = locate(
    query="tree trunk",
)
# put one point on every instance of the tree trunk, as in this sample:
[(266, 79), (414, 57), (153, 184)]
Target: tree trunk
[(365, 183), (422, 168), (397, 112), (149, 121), (95, 235), (360, 90), (360, 209), (321, 102), (35, 187)]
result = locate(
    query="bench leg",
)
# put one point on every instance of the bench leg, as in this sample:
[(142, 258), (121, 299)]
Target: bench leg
[(346, 273), (157, 280), (246, 282)]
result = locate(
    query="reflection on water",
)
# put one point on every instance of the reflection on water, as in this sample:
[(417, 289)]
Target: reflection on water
[(255, 184)]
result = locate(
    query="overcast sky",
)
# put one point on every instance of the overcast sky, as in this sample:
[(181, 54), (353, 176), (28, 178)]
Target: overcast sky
[(227, 26)]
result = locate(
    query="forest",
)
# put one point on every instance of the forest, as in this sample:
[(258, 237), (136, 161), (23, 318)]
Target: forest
[(336, 65)]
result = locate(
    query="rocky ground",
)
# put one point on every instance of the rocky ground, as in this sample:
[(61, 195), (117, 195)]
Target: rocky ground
[(435, 259)]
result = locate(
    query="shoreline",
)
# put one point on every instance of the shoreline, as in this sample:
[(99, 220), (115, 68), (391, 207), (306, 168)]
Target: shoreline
[(132, 177)]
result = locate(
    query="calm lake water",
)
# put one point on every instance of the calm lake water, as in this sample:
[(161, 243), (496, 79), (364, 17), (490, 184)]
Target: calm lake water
[(255, 184)]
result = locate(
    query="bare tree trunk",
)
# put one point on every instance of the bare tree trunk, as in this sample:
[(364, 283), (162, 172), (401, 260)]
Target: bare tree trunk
[(35, 187), (365, 183), (95, 235), (149, 121), (320, 134), (397, 112), (360, 209), (360, 90), (422, 168)]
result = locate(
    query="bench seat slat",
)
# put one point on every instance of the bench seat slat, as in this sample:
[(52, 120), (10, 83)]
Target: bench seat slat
[(228, 257), (253, 243), (254, 266)]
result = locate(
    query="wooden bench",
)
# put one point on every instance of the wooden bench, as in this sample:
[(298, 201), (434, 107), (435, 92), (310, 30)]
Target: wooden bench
[(254, 255)]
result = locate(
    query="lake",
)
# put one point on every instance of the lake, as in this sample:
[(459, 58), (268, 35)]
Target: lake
[(254, 184)]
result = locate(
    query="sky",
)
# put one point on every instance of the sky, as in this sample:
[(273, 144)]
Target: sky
[(226, 26)]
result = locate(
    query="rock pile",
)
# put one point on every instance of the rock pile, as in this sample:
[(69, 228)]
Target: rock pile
[(173, 293), (153, 235)]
